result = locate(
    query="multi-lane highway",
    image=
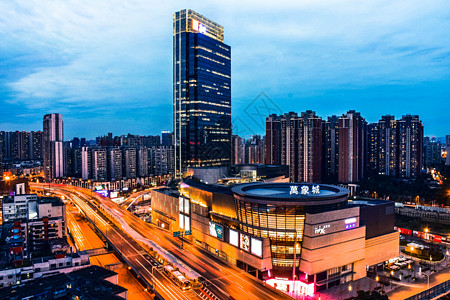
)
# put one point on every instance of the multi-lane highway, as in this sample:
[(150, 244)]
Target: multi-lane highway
[(221, 280), (135, 256)]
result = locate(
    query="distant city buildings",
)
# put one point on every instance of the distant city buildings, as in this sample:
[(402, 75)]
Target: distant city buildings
[(250, 151), (433, 150), (345, 149), (20, 145), (296, 141), (202, 93), (352, 135), (53, 146), (115, 158), (161, 160), (30, 222)]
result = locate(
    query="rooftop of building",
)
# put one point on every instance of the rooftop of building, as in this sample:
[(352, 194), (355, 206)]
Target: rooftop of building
[(168, 191), (55, 201), (48, 258), (87, 283), (213, 188), (10, 199), (33, 287), (92, 273), (362, 202), (290, 191)]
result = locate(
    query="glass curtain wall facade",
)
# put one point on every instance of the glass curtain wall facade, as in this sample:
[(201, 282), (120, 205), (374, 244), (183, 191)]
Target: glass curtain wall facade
[(283, 224), (202, 93)]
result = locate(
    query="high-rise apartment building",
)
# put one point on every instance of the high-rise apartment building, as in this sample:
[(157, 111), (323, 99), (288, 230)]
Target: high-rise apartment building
[(115, 164), (142, 161), (129, 162), (432, 149), (352, 130), (238, 150), (86, 163), (201, 92), (447, 144), (372, 153), (166, 138), (273, 140), (330, 149), (296, 141), (255, 150), (388, 146), (305, 145), (36, 145), (99, 164), (410, 138), (53, 146), (161, 160)]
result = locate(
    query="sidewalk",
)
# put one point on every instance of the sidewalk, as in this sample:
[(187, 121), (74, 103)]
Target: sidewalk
[(342, 292)]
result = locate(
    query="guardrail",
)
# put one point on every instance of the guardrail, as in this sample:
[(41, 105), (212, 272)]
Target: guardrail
[(432, 292)]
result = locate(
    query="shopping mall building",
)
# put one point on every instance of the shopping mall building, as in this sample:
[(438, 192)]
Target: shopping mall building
[(298, 237)]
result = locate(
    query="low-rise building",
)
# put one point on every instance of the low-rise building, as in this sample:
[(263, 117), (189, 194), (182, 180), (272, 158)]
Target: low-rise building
[(34, 220)]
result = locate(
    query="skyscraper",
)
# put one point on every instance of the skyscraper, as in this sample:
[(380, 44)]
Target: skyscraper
[(352, 130), (273, 140), (305, 150), (36, 144), (129, 162), (373, 149), (388, 146), (166, 138), (201, 92), (410, 137), (296, 141), (115, 164), (53, 146), (99, 164), (330, 149)]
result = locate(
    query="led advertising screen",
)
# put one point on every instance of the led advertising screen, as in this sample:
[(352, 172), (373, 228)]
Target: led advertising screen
[(114, 194), (234, 238), (245, 242), (181, 221), (104, 193), (256, 247), (215, 230)]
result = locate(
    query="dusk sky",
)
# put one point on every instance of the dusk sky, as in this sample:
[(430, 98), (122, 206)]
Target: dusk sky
[(107, 65)]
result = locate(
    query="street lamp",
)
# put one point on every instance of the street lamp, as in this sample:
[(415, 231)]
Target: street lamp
[(428, 280)]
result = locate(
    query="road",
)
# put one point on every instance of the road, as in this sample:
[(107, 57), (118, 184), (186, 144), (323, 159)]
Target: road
[(221, 279), (135, 256), (134, 197), (85, 238)]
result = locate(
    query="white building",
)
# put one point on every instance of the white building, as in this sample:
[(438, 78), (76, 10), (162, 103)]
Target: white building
[(53, 146)]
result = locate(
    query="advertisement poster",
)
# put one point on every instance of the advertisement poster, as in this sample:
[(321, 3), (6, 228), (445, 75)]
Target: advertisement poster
[(216, 230), (245, 242)]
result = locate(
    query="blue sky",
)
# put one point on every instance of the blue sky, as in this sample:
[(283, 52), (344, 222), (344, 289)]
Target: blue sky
[(107, 65)]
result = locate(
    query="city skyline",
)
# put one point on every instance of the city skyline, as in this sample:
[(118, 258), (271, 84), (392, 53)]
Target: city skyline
[(355, 56)]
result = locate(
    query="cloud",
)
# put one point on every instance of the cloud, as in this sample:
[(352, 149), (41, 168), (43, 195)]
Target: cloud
[(105, 57)]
